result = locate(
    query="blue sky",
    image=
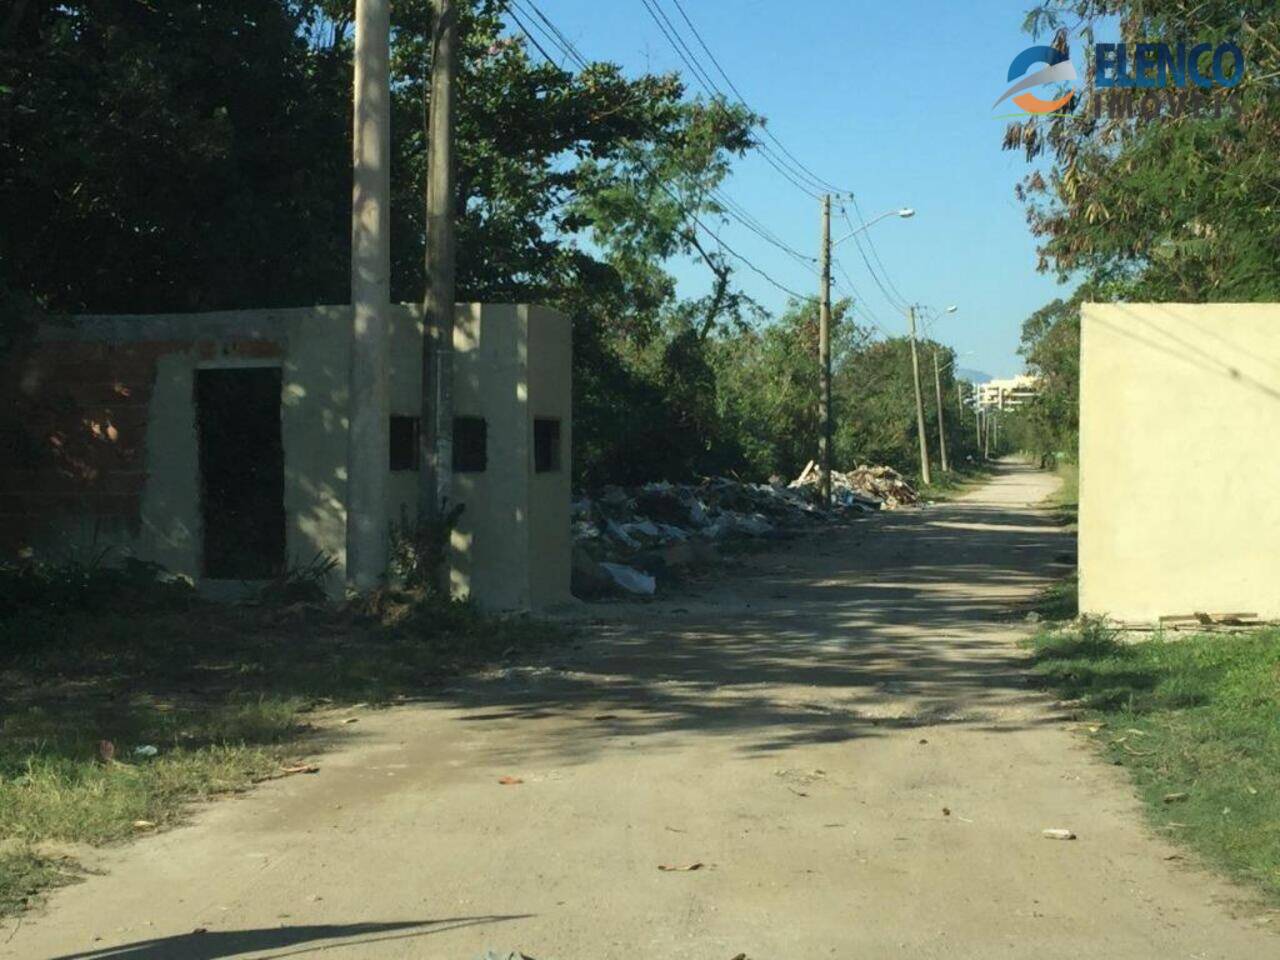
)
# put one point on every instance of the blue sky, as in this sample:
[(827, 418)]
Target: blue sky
[(892, 100)]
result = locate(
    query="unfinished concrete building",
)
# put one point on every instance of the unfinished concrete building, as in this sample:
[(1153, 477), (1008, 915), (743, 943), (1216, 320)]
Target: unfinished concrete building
[(215, 444)]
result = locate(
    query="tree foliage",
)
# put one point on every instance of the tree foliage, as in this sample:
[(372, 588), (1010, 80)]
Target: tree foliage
[(1180, 208), (189, 155)]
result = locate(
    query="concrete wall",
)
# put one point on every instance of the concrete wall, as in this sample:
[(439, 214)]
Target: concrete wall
[(137, 490), (1180, 460), (551, 396)]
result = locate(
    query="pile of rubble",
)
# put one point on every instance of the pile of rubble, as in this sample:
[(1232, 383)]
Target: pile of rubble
[(626, 538), (881, 486)]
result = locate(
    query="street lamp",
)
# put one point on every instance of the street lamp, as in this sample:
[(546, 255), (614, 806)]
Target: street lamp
[(937, 389), (824, 338)]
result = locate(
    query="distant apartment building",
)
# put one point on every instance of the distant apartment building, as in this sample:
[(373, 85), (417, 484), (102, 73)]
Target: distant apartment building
[(1008, 393)]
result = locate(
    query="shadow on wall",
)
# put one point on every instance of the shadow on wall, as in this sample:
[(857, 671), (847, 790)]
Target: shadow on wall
[(1148, 334)]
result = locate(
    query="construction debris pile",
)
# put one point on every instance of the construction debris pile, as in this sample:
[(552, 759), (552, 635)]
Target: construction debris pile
[(626, 539), (882, 486)]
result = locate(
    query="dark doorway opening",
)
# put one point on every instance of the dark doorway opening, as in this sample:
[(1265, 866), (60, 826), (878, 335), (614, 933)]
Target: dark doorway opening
[(241, 472)]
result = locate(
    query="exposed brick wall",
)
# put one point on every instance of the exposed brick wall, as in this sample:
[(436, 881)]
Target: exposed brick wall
[(73, 430)]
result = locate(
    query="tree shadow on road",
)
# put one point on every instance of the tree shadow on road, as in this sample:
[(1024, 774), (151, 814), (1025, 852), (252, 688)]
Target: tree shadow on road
[(224, 944), (904, 619)]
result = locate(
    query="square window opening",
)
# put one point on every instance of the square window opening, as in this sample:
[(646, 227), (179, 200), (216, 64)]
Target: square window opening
[(546, 445), (470, 445), (404, 443)]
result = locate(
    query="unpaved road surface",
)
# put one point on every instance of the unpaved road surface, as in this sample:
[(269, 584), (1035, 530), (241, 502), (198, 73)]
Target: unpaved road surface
[(800, 730)]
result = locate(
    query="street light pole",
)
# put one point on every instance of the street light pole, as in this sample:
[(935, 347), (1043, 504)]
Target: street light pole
[(915, 379), (368, 423), (824, 359), (436, 425), (824, 338), (942, 429)]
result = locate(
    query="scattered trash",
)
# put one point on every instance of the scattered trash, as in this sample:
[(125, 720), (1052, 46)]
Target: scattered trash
[(1175, 797), (687, 868), (1058, 833), (288, 772), (630, 579), (144, 825), (509, 781), (657, 528), (146, 750), (1032, 617), (351, 720), (106, 751), (512, 955), (946, 811)]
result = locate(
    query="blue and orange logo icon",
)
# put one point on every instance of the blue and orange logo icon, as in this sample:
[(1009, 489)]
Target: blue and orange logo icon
[(1058, 69)]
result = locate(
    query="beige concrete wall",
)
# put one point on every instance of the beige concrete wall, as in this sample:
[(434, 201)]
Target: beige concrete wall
[(1180, 459), (511, 547), (550, 395), (490, 544)]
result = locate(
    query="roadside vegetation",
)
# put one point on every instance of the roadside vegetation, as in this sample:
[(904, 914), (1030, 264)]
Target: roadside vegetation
[(125, 698), (1196, 722)]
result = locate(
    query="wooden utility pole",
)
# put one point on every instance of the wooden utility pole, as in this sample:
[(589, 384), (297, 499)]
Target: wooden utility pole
[(369, 426), (436, 434), (942, 428), (824, 358), (915, 378)]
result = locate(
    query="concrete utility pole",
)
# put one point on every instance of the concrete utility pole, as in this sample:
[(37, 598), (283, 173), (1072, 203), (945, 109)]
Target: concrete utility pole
[(436, 435), (824, 357), (367, 434), (942, 428), (915, 377)]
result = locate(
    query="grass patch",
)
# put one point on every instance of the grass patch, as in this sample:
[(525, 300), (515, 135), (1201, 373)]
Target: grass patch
[(220, 692), (1059, 601), (1196, 721), (1065, 502), (24, 876), (957, 482)]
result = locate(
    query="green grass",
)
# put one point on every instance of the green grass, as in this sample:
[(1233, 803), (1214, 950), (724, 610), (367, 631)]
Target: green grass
[(24, 876), (222, 692), (1066, 501), (1196, 716), (1059, 601)]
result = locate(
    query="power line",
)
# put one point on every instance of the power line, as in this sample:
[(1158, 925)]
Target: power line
[(565, 45), (713, 91), (860, 303), (900, 303), (531, 38), (872, 244), (813, 177)]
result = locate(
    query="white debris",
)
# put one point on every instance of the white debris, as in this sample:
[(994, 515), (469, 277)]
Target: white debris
[(630, 579)]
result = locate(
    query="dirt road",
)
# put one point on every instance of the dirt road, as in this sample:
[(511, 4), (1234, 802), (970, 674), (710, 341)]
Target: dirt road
[(841, 736)]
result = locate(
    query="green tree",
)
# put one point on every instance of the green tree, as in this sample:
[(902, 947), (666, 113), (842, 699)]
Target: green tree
[(1180, 209)]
